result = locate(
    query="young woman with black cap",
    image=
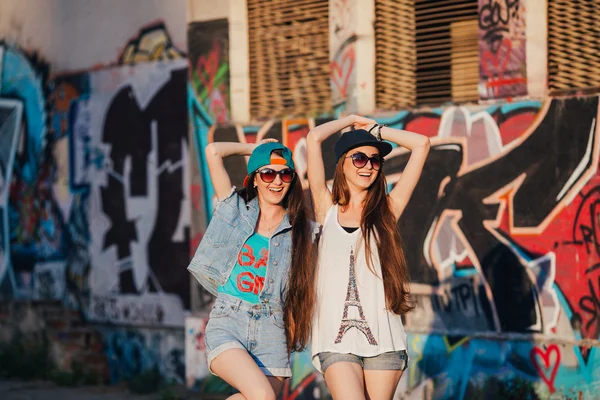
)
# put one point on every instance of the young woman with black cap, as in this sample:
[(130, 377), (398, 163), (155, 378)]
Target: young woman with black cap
[(352, 309), (254, 237)]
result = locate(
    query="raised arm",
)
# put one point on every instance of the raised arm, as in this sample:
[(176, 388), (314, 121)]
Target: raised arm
[(419, 148), (316, 169), (215, 153)]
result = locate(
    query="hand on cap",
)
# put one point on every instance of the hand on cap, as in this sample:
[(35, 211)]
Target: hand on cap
[(360, 122), (270, 140)]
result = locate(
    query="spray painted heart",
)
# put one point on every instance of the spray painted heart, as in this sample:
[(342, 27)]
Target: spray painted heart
[(537, 353)]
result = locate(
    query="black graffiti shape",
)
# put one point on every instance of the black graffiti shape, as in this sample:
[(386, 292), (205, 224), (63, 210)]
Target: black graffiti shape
[(548, 158), (494, 20), (443, 162), (128, 129), (328, 150)]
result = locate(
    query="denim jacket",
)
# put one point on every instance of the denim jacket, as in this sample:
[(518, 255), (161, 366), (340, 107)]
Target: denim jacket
[(232, 223)]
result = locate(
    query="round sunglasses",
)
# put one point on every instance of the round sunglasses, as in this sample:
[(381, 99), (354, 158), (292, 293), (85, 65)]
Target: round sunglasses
[(360, 159), (268, 175)]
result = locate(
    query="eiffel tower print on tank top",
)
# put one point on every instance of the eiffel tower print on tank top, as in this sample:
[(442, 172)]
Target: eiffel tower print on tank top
[(353, 300)]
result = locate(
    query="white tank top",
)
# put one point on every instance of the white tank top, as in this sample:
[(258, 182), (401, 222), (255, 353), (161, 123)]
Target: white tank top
[(351, 314)]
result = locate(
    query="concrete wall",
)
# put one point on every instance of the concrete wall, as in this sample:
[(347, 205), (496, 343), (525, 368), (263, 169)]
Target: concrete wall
[(96, 207), (73, 35)]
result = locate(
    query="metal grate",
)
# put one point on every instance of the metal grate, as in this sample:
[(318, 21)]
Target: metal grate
[(395, 80), (289, 57), (573, 45), (447, 50)]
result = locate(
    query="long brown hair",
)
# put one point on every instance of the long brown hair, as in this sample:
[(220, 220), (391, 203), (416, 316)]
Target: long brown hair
[(303, 259), (378, 221)]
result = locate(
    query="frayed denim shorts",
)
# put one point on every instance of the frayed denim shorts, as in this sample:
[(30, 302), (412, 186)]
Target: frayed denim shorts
[(256, 328), (394, 360)]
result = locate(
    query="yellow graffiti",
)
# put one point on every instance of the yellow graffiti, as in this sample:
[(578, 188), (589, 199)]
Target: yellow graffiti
[(153, 44), (452, 347), (412, 367)]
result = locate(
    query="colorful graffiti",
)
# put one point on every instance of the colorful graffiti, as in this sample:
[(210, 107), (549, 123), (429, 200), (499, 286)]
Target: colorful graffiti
[(209, 60), (502, 66), (501, 241), (135, 126), (480, 368), (95, 181), (152, 43), (33, 226), (342, 64), (132, 353)]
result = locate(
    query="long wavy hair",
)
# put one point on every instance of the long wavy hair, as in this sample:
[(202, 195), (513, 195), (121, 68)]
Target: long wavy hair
[(303, 254), (378, 222)]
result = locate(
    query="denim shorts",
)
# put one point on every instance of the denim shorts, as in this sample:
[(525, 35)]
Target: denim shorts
[(391, 361), (256, 328)]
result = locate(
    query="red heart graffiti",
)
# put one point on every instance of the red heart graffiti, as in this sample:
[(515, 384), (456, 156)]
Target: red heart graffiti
[(207, 67), (545, 355), (498, 60), (340, 72)]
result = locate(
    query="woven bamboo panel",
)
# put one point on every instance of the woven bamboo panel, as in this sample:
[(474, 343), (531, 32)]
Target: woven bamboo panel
[(464, 60), (573, 45), (396, 57), (289, 57), (444, 27)]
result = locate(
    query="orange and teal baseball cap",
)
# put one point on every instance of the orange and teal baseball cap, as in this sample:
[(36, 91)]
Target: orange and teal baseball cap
[(262, 155)]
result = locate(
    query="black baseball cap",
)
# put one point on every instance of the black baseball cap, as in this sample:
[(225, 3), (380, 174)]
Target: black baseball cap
[(357, 138)]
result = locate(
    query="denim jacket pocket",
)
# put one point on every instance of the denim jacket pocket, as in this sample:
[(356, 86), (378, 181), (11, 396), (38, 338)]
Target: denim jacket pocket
[(277, 318)]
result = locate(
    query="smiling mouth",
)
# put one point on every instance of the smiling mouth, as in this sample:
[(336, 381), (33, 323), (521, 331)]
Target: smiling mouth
[(365, 174), (276, 190)]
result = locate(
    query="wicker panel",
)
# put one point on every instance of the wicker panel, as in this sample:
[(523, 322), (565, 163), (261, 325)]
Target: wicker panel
[(464, 60), (573, 45), (395, 82), (442, 28), (289, 57)]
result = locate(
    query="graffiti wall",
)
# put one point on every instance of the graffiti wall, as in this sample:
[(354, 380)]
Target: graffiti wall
[(500, 240), (133, 353), (502, 53), (208, 43), (342, 38), (95, 204)]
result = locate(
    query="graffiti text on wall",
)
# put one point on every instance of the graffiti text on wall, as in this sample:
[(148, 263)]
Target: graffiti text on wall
[(500, 236), (502, 65)]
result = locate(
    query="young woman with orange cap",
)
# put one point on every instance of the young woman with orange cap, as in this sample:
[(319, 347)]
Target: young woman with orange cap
[(244, 259)]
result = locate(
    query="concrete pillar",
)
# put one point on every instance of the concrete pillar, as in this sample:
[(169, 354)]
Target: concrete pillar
[(536, 16), (239, 61), (352, 54)]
